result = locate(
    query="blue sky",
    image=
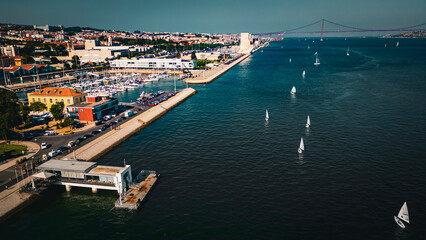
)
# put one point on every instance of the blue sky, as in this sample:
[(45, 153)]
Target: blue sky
[(217, 16)]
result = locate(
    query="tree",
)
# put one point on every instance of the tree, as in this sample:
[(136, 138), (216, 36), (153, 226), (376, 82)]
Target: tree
[(10, 112), (54, 60), (193, 56), (24, 110), (56, 110), (178, 55), (75, 61), (38, 106), (67, 66)]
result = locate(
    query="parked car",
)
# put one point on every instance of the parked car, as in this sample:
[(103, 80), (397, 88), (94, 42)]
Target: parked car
[(123, 118), (53, 153), (68, 132), (62, 149), (112, 123), (98, 123), (118, 120), (87, 136), (79, 140), (43, 145), (95, 132), (49, 133), (107, 117), (114, 115), (71, 144), (103, 128)]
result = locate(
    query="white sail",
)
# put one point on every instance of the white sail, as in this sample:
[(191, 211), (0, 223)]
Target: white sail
[(347, 52), (308, 122), (267, 115), (293, 90), (309, 47), (397, 44), (289, 60), (303, 74), (302, 145), (317, 62), (403, 213)]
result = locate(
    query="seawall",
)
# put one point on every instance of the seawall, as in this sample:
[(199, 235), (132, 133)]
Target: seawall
[(215, 73), (101, 145)]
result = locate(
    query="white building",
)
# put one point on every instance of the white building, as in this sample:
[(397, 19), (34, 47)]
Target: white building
[(245, 46), (73, 173), (164, 63)]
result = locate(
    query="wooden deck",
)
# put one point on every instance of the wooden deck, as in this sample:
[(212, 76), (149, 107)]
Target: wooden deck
[(137, 193)]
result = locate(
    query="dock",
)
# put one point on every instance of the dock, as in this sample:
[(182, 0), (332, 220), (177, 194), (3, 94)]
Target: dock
[(133, 198)]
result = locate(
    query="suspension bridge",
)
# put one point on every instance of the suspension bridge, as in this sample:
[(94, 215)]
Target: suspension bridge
[(346, 29)]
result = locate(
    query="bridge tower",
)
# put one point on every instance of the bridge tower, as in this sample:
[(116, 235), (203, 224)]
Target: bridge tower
[(322, 29)]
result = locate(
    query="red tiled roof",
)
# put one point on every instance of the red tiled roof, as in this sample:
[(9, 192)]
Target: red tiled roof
[(55, 91), (27, 67), (11, 69)]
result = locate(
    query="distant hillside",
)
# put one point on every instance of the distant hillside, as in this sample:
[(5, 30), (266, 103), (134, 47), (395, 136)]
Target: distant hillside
[(415, 34)]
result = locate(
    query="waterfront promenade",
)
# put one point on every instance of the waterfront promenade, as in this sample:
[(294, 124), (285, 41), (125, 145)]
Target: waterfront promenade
[(101, 145), (212, 74)]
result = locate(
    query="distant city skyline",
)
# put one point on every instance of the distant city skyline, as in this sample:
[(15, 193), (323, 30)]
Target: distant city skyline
[(219, 16)]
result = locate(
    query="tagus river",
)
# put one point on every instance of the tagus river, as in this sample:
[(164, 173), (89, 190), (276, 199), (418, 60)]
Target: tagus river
[(226, 173)]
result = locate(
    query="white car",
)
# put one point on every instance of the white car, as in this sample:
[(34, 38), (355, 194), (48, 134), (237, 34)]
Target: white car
[(53, 153), (43, 145)]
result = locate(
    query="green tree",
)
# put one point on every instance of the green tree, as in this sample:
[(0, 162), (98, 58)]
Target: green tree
[(24, 111), (56, 110), (54, 60), (67, 66), (75, 61), (178, 55), (38, 106), (193, 56), (10, 112)]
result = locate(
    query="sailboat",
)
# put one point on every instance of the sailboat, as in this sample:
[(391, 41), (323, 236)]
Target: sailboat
[(347, 52), (397, 44), (402, 215), (385, 45), (281, 46), (303, 74), (317, 62), (267, 115), (308, 122), (309, 47), (289, 60), (301, 146), (293, 90)]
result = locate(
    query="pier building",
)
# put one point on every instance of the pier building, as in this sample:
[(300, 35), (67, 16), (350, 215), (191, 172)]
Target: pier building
[(71, 173), (154, 63)]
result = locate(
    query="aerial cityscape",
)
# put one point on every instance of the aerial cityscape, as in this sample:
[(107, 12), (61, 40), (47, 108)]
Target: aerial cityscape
[(225, 120)]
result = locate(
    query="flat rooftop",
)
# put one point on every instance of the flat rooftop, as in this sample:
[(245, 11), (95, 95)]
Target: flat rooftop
[(105, 170), (67, 165)]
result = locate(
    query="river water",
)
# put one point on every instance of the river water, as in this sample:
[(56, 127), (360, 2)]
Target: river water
[(226, 173)]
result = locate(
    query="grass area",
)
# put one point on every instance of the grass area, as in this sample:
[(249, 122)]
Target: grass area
[(11, 151)]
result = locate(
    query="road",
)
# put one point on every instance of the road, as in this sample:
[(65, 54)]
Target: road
[(54, 142)]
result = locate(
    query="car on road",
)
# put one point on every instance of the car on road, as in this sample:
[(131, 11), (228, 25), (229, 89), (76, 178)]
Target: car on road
[(49, 133), (71, 144), (98, 123), (53, 153), (62, 149), (79, 140), (87, 136), (118, 120), (68, 132), (103, 128), (107, 117), (112, 123), (43, 145), (123, 118), (95, 132)]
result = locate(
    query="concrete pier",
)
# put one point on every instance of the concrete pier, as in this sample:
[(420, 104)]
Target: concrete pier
[(213, 74), (136, 194), (102, 144)]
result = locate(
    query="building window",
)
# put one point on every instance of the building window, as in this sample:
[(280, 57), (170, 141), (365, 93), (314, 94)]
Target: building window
[(62, 100), (39, 99), (45, 100), (33, 99), (56, 100), (50, 100), (68, 101)]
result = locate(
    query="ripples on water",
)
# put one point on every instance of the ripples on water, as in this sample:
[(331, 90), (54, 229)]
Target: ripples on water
[(226, 173)]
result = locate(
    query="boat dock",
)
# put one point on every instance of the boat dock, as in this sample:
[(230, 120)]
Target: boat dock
[(133, 198)]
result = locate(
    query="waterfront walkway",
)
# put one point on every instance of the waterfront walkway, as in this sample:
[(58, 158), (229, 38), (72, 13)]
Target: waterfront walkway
[(210, 75), (102, 144)]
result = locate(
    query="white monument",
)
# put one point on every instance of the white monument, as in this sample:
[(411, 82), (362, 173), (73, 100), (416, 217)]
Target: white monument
[(245, 46)]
